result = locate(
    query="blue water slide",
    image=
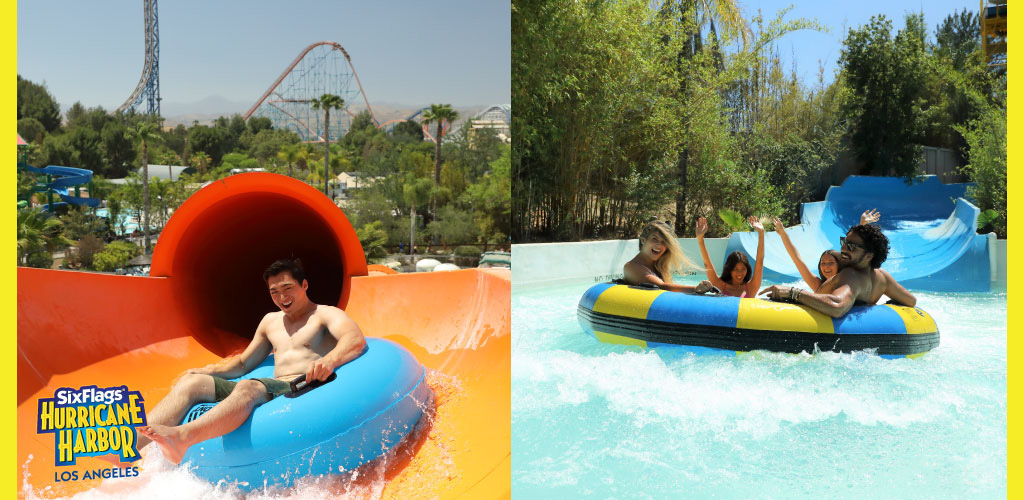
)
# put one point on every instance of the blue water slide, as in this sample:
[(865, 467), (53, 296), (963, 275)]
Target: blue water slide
[(63, 178), (930, 225)]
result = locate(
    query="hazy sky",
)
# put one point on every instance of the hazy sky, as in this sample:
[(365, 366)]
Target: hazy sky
[(405, 52), (808, 47)]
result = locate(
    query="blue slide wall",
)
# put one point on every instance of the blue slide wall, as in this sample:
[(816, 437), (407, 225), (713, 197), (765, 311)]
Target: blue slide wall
[(931, 229)]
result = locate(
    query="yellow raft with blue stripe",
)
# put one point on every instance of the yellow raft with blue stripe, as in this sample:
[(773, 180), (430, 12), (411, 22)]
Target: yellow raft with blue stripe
[(650, 317)]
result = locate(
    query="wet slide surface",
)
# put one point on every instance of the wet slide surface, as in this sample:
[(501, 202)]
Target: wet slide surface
[(203, 301), (457, 324), (930, 226)]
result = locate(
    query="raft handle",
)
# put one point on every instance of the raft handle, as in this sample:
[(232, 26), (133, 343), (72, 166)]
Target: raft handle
[(300, 386)]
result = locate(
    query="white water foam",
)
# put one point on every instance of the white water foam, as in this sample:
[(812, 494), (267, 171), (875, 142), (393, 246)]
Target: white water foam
[(159, 479)]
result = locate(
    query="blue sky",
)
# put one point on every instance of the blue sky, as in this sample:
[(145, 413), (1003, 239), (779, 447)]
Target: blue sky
[(808, 47), (405, 52)]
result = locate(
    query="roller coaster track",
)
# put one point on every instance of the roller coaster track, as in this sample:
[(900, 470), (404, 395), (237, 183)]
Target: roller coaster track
[(286, 101), (148, 87)]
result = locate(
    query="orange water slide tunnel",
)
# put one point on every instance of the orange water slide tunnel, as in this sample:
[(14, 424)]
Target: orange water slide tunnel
[(205, 296)]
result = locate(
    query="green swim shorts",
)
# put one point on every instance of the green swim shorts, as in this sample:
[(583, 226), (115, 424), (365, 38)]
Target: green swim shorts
[(223, 387)]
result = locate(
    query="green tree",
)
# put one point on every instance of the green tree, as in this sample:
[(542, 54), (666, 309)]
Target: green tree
[(258, 124), (34, 101), (289, 154), (39, 235), (267, 143), (94, 118), (957, 37), (986, 167), (82, 256), (415, 192), (214, 141), (453, 225), (145, 133), (201, 161), (886, 75), (373, 239), (114, 256), (440, 114), (31, 130), (491, 197), (327, 102), (78, 222), (118, 149), (408, 131)]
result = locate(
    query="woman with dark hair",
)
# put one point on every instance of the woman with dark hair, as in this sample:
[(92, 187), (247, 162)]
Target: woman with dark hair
[(828, 263), (738, 279), (660, 256)]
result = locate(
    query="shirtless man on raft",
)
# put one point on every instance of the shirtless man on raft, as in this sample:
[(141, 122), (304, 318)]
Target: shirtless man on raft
[(306, 338), (859, 281)]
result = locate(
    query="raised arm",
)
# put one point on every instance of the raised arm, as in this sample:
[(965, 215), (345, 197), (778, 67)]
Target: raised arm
[(702, 227), (870, 216), (351, 343), (755, 281), (812, 281), (896, 292)]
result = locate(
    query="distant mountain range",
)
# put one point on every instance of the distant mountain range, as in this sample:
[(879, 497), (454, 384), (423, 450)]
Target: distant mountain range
[(206, 110)]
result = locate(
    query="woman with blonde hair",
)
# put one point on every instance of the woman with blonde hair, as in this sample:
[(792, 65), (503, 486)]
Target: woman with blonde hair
[(660, 256)]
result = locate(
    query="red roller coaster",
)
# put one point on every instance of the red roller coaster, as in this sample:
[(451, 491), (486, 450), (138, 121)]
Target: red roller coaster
[(321, 68)]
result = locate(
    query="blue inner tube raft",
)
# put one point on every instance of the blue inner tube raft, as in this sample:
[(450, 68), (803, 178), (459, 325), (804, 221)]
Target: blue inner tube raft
[(623, 314), (372, 404)]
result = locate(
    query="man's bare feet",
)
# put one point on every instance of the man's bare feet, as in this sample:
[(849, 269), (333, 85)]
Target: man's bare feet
[(169, 439)]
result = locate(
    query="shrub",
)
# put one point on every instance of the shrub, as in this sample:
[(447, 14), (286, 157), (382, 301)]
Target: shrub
[(82, 256), (115, 255), (468, 251), (373, 238)]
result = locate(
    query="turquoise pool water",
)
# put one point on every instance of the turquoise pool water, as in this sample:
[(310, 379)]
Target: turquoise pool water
[(593, 420), (127, 220)]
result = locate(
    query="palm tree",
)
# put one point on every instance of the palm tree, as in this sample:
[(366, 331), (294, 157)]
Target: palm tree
[(145, 133), (327, 102), (200, 161), (37, 232), (438, 113), (289, 154)]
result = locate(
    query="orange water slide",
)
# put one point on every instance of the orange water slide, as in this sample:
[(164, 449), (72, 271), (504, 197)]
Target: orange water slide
[(205, 296)]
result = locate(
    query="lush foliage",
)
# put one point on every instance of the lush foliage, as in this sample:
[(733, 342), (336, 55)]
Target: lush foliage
[(986, 139), (627, 110), (398, 175), (634, 121), (115, 256)]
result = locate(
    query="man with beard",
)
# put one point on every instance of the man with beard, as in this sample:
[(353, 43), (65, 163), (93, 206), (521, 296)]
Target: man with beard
[(860, 281)]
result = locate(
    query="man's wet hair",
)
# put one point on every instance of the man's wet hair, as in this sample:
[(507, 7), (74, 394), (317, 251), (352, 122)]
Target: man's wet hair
[(875, 241), (292, 266)]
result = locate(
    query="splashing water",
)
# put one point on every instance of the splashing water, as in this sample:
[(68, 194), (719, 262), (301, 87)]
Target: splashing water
[(608, 421), (161, 480)]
